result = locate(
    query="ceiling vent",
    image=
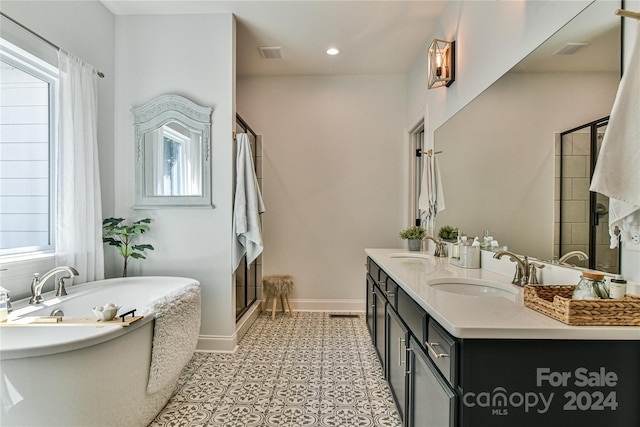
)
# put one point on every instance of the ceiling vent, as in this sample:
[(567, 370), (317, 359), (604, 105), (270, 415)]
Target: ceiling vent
[(270, 52), (571, 48)]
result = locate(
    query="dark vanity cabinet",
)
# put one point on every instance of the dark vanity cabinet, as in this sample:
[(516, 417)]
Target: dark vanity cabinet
[(438, 380), (371, 307), (381, 292), (431, 400), (396, 343), (423, 396)]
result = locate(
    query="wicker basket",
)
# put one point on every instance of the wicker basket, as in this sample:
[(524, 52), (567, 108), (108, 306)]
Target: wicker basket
[(555, 301)]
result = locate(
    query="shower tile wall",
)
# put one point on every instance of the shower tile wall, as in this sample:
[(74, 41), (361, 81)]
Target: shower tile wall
[(575, 194)]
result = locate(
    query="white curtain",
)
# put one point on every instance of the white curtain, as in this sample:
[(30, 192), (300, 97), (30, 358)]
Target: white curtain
[(79, 210)]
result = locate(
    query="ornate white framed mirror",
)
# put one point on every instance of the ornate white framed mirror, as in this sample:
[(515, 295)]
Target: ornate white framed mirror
[(172, 153)]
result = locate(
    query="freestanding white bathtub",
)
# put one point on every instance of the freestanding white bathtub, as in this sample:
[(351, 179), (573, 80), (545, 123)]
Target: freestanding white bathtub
[(86, 375)]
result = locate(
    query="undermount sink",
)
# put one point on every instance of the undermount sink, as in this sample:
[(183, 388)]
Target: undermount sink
[(411, 255), (474, 287)]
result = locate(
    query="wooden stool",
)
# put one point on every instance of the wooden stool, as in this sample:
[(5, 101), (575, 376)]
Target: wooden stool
[(277, 285)]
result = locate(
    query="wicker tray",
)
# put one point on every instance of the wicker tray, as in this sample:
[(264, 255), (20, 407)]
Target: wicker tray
[(555, 301)]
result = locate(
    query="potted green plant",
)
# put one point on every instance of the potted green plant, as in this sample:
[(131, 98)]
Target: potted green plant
[(414, 235), (121, 235), (448, 232)]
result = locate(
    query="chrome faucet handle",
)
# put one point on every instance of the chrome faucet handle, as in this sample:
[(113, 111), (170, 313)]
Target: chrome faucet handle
[(533, 272), (36, 298), (9, 306), (60, 289)]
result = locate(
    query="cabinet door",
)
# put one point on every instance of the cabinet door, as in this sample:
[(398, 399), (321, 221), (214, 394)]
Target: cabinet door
[(380, 329), (432, 403), (371, 308), (397, 336)]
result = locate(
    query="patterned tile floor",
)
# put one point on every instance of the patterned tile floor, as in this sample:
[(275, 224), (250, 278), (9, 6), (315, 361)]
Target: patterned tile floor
[(309, 370)]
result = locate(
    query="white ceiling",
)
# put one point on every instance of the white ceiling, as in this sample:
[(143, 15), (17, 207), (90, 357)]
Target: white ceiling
[(376, 37), (596, 25)]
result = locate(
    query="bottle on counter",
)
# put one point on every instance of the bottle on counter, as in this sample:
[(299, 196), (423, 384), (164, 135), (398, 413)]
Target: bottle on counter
[(617, 287), (455, 248)]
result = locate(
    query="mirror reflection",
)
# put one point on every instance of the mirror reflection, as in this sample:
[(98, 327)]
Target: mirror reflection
[(499, 161), (172, 161)]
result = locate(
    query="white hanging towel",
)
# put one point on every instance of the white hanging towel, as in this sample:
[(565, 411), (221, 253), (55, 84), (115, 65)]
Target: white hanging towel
[(617, 171), (431, 200), (247, 206)]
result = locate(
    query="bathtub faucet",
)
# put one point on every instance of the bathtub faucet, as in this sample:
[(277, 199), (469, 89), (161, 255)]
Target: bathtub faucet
[(37, 283)]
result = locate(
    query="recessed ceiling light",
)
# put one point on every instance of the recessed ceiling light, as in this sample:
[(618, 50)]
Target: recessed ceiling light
[(333, 51)]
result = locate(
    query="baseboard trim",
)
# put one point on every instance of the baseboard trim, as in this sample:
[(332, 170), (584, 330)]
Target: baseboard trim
[(217, 344), (334, 305)]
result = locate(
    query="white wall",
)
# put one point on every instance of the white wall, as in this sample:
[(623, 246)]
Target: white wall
[(332, 177), (85, 29), (491, 37), (192, 56), (498, 162)]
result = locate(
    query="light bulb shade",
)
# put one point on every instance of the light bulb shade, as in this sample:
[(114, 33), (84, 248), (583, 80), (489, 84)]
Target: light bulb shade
[(441, 61)]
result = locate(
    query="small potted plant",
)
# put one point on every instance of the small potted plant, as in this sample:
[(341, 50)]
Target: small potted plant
[(121, 235), (448, 233), (414, 235)]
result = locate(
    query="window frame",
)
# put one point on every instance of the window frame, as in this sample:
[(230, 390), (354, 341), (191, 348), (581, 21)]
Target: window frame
[(42, 70)]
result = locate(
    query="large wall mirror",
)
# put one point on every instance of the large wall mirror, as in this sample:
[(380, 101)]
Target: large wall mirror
[(173, 164), (499, 152)]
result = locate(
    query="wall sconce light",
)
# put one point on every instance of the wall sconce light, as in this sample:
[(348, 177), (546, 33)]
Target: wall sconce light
[(441, 63)]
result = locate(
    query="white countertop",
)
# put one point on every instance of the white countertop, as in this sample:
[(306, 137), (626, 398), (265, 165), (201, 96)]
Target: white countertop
[(466, 316)]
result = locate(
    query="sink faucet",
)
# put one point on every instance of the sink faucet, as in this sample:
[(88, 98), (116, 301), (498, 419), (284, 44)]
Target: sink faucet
[(577, 254), (521, 277), (37, 283), (441, 247)]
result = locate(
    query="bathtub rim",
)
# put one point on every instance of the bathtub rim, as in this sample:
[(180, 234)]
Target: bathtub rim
[(94, 334)]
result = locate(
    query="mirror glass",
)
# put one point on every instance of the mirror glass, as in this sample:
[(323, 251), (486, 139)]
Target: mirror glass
[(498, 157), (172, 165), (172, 153)]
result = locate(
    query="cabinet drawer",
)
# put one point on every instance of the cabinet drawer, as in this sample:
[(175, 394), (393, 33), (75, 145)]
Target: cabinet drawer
[(442, 350), (392, 292), (373, 269), (412, 314)]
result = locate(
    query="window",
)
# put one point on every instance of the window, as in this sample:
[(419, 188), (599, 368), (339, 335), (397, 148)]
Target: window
[(28, 88)]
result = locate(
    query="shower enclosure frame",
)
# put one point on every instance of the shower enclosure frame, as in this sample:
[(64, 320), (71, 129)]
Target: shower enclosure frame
[(250, 289)]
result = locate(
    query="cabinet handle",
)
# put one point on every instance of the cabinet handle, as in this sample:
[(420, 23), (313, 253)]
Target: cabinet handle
[(400, 342), (435, 353), (408, 361), (390, 293)]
